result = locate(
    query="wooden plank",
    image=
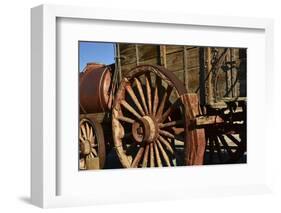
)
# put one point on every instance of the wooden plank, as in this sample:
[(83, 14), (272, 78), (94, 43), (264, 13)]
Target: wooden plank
[(193, 79), (119, 65), (128, 53), (176, 48), (127, 67), (163, 56), (209, 77), (175, 61), (148, 51), (195, 138), (202, 90), (235, 82), (137, 55), (173, 48), (221, 80), (185, 55), (228, 73), (208, 120), (193, 57)]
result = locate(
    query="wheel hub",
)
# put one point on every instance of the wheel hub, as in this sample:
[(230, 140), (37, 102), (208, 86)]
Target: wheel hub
[(145, 130), (86, 147)]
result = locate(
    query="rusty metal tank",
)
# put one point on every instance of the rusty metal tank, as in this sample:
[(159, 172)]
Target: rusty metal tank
[(94, 88)]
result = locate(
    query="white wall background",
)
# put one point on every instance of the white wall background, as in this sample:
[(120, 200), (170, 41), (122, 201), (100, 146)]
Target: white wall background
[(15, 105)]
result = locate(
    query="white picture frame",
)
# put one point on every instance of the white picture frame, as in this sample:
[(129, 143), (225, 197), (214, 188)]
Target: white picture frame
[(48, 172)]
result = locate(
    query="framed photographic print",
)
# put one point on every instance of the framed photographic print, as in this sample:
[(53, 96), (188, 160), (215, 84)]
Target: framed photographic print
[(148, 106)]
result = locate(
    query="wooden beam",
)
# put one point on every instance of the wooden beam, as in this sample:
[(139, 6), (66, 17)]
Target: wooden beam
[(163, 57), (137, 55), (210, 94), (235, 82), (119, 62), (202, 76), (195, 140), (185, 67), (208, 120), (228, 76)]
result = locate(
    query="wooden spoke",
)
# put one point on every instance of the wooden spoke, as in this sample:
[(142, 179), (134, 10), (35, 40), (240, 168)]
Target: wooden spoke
[(130, 109), (139, 86), (158, 159), (84, 131), (138, 157), (94, 145), (94, 151), (91, 135), (171, 124), (156, 98), (134, 98), (91, 155), (164, 154), (151, 155), (166, 133), (225, 145), (218, 148), (80, 133), (145, 157), (167, 144), (148, 90), (126, 119), (162, 104), (233, 139), (94, 142), (81, 138), (211, 148), (82, 163), (87, 131), (168, 112)]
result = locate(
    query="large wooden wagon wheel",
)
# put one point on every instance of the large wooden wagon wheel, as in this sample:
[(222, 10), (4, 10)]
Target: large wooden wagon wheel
[(148, 118), (91, 145)]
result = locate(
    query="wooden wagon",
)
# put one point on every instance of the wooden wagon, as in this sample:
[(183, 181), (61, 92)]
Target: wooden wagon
[(164, 105)]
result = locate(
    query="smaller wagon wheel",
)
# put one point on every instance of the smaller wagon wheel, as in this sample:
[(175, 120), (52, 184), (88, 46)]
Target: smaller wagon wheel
[(91, 145), (227, 143), (225, 148), (148, 118)]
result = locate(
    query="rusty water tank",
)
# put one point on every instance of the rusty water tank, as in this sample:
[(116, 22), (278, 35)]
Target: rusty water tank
[(94, 88)]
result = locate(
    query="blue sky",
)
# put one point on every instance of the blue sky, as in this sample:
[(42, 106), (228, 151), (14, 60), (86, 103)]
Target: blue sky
[(95, 52)]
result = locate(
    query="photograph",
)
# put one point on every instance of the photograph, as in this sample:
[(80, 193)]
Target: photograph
[(159, 105)]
